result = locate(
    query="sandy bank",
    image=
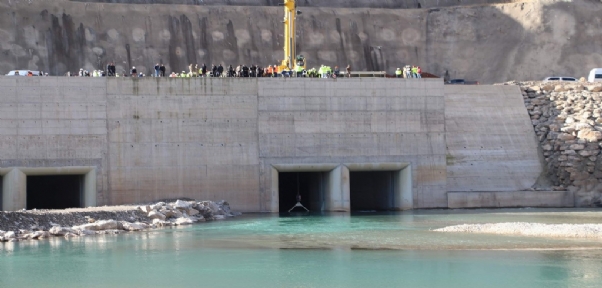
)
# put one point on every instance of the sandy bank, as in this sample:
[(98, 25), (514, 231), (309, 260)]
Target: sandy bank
[(39, 224), (530, 229)]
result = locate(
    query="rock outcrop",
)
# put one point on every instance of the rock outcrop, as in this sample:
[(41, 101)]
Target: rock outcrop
[(489, 43), (567, 118), (30, 225)]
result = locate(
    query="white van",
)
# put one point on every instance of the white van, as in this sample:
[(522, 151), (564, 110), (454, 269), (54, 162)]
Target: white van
[(595, 75), (23, 73)]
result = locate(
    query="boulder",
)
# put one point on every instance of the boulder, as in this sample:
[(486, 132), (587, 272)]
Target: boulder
[(171, 213), (156, 215), (98, 226), (60, 231), (594, 88), (185, 221), (137, 226), (547, 147), (565, 137), (146, 209), (589, 135), (577, 147), (10, 235), (192, 211), (86, 232), (159, 205), (161, 223), (183, 205)]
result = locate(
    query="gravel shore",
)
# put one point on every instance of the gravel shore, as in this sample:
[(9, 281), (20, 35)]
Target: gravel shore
[(39, 224), (531, 229)]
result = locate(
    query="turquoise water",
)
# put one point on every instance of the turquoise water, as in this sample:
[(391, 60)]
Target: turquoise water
[(335, 250)]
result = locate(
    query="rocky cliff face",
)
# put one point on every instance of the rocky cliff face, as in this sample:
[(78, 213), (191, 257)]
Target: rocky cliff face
[(488, 43), (394, 4), (567, 119)]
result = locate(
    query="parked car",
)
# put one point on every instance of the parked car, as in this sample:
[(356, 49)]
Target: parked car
[(23, 73), (595, 75), (461, 82), (558, 78)]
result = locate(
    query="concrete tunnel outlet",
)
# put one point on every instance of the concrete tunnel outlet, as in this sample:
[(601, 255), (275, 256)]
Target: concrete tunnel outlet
[(353, 187)]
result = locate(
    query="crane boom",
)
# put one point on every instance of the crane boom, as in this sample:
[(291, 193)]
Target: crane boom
[(290, 45)]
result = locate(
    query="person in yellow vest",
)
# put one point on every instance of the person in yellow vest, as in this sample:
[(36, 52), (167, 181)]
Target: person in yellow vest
[(299, 70), (414, 71), (398, 73)]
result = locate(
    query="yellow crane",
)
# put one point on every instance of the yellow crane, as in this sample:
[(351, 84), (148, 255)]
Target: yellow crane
[(291, 60)]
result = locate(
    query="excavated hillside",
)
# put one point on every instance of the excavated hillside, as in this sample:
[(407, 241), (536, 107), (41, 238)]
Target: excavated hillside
[(484, 42)]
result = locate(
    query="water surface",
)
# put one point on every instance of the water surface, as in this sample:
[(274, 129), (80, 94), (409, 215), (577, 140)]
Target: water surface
[(331, 250)]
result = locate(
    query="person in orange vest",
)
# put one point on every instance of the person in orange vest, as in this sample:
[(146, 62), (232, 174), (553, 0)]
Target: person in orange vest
[(275, 72), (269, 71)]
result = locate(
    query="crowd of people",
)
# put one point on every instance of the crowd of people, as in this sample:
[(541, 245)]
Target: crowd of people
[(241, 71), (409, 72)]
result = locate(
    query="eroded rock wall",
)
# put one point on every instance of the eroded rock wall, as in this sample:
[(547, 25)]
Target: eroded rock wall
[(567, 119), (488, 43), (395, 4)]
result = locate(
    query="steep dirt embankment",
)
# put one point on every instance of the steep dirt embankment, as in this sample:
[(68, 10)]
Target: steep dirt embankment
[(489, 43), (567, 119)]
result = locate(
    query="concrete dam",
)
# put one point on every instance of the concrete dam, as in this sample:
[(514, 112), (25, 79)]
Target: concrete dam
[(343, 144)]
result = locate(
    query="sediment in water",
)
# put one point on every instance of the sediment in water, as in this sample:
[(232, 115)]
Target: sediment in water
[(531, 229)]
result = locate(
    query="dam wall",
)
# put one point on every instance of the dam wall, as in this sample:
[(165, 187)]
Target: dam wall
[(137, 140), (490, 43), (343, 144), (493, 155)]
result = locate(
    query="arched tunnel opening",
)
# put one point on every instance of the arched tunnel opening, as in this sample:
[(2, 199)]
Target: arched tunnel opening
[(55, 191), (311, 186), (372, 190)]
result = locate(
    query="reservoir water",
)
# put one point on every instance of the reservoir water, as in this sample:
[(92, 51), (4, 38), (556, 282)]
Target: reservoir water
[(327, 250)]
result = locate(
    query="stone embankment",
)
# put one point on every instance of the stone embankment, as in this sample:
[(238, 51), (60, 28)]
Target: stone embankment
[(567, 118), (39, 224), (531, 229)]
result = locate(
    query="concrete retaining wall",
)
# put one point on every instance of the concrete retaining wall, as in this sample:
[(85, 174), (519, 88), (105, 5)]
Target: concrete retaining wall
[(491, 145), (511, 199), (139, 140), (206, 138)]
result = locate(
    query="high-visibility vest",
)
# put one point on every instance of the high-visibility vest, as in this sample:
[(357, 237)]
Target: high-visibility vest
[(398, 72)]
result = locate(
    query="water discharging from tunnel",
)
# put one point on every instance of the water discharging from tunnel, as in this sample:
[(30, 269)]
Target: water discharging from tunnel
[(325, 250)]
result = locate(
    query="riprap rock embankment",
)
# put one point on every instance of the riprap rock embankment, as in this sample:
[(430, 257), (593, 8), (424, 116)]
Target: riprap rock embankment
[(39, 224), (567, 118)]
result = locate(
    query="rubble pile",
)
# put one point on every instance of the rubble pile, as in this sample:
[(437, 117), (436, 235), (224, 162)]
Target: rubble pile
[(567, 118), (40, 224)]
